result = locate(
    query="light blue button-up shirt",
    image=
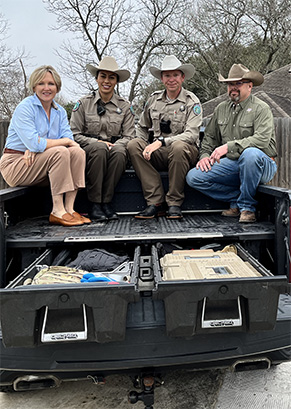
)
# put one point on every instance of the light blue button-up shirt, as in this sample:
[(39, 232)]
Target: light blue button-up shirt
[(30, 128)]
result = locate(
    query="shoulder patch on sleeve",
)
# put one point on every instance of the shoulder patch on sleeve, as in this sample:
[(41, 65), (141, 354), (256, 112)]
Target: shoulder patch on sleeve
[(197, 109), (77, 105), (132, 110)]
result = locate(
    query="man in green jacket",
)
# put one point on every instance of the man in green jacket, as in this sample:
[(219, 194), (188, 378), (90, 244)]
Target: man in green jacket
[(238, 149)]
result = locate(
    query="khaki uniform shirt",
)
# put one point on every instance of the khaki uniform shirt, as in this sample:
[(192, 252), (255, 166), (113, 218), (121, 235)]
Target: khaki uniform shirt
[(185, 114), (248, 124), (117, 122)]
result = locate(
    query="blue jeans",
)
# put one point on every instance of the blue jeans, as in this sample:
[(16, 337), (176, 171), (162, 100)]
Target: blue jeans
[(235, 181)]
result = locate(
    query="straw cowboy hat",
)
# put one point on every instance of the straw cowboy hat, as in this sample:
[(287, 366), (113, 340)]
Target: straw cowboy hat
[(170, 63), (109, 64), (239, 72)]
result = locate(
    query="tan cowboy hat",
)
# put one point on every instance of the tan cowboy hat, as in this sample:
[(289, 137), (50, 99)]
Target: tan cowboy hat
[(170, 63), (109, 64), (239, 72)]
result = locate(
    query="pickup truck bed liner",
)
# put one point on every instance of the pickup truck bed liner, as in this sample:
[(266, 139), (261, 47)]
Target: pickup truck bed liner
[(38, 232)]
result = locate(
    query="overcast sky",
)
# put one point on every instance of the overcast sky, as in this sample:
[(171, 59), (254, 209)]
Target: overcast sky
[(29, 28)]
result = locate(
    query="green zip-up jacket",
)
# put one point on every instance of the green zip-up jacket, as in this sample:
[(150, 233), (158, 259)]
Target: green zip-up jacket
[(248, 124)]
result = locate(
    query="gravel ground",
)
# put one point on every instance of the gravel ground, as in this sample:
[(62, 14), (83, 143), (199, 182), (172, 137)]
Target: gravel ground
[(181, 390), (260, 389)]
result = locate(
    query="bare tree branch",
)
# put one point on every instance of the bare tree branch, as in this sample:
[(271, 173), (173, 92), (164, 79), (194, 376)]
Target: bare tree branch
[(12, 74)]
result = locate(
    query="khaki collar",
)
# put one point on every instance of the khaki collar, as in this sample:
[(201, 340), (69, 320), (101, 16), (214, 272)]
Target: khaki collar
[(181, 97), (114, 99)]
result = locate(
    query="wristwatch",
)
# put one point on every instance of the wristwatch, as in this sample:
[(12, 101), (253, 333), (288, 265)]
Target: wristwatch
[(162, 139)]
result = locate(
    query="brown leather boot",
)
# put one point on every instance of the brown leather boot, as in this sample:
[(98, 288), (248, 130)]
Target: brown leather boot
[(232, 212), (247, 217)]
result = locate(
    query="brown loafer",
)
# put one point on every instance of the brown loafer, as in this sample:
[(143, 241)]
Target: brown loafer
[(247, 217), (66, 220), (83, 219), (232, 212)]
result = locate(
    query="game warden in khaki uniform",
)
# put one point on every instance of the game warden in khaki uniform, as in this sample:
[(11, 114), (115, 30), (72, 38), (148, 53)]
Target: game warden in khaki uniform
[(174, 115), (103, 123)]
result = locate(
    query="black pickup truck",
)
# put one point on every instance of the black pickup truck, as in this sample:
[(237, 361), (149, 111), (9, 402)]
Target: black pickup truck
[(157, 313)]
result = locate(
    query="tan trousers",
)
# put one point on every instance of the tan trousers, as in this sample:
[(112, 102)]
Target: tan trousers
[(177, 159), (61, 167)]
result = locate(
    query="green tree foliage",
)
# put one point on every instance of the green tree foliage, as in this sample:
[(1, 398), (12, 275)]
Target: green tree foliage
[(219, 33), (69, 108)]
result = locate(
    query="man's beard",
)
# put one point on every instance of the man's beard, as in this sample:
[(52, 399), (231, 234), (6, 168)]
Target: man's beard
[(234, 98)]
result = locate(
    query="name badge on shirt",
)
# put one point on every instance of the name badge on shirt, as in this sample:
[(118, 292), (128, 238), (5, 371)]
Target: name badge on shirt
[(182, 108), (119, 111)]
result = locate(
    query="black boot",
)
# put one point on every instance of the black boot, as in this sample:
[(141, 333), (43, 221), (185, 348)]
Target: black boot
[(96, 212), (174, 212), (152, 211), (109, 212)]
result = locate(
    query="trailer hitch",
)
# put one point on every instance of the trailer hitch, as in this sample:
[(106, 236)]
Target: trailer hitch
[(148, 384)]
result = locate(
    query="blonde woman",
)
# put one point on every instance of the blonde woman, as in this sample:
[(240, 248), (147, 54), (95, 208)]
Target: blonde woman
[(40, 148)]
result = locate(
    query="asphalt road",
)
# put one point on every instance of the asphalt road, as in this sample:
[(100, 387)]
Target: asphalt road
[(260, 389)]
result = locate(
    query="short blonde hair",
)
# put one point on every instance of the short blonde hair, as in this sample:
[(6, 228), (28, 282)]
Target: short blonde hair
[(40, 72)]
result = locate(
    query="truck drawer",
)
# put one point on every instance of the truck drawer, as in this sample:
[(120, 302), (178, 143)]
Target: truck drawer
[(38, 314), (222, 293), (34, 315)]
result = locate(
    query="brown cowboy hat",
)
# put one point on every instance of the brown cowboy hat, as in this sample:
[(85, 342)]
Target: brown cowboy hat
[(109, 64), (171, 63), (239, 72)]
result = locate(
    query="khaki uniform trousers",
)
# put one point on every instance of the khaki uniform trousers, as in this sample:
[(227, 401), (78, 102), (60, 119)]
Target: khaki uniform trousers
[(104, 168), (61, 167), (177, 159)]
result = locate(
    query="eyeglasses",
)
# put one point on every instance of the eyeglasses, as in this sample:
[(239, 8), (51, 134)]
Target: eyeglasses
[(237, 83)]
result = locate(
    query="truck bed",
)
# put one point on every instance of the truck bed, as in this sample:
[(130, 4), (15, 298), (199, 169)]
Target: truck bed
[(147, 324), (37, 231)]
